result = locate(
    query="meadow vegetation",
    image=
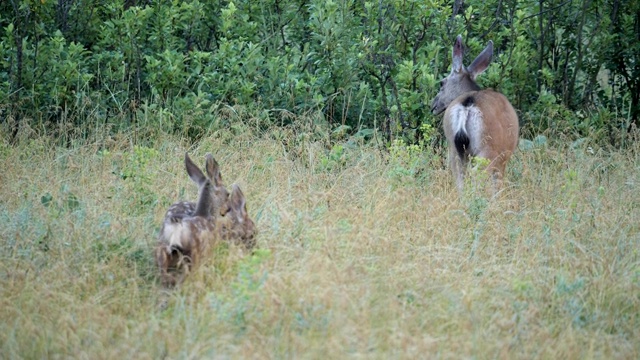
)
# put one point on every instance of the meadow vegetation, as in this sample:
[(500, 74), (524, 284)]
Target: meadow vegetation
[(362, 251), (368, 66), (320, 111)]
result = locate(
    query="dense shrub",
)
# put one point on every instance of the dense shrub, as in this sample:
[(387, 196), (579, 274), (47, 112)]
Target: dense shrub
[(365, 65)]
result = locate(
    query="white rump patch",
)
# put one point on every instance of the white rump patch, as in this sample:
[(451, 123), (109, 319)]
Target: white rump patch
[(469, 120), (173, 233)]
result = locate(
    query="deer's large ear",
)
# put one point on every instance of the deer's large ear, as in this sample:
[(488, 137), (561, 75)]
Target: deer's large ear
[(480, 64), (213, 170), (194, 171), (456, 59)]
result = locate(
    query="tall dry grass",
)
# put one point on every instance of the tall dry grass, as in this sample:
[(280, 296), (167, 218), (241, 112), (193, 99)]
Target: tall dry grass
[(359, 256)]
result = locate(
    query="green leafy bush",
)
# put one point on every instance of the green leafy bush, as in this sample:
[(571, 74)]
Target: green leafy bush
[(566, 66)]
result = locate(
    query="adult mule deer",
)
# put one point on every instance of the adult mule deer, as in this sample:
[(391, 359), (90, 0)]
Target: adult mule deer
[(477, 123)]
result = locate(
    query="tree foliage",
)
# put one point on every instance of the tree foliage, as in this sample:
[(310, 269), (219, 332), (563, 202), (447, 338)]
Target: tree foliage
[(567, 65)]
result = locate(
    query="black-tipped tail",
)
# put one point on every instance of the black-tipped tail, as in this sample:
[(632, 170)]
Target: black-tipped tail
[(461, 139), (462, 143)]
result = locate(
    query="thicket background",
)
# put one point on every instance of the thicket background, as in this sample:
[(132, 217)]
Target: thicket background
[(569, 67)]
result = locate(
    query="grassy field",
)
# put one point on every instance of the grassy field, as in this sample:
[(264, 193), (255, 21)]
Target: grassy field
[(362, 253)]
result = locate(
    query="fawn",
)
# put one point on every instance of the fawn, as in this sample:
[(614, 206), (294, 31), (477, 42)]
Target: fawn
[(189, 229)]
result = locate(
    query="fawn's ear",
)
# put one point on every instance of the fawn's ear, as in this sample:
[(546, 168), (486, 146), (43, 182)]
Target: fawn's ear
[(213, 170), (194, 171), (237, 201)]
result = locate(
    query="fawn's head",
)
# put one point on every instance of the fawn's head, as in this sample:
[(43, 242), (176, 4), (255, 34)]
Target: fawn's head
[(238, 226), (213, 196)]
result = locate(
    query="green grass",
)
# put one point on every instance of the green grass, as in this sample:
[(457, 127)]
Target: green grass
[(361, 254)]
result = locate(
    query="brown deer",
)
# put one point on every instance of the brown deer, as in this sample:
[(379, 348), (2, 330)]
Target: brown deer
[(189, 229), (236, 225), (477, 123)]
